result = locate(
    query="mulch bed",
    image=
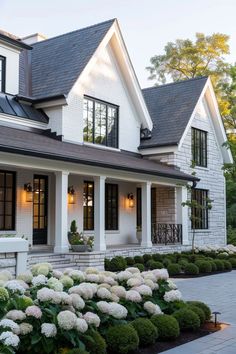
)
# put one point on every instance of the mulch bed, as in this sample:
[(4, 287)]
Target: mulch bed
[(182, 275), (184, 337)]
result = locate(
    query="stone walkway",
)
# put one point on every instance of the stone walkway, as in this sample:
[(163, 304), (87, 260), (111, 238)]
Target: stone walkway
[(219, 292)]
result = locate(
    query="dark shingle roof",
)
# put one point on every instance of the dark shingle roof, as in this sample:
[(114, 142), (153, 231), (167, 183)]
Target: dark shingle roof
[(57, 62), (170, 107), (9, 105), (34, 144)]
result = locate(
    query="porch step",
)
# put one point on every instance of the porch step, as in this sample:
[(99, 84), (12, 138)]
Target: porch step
[(58, 261)]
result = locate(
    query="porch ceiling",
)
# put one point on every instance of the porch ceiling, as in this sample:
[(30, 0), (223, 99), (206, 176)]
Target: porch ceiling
[(34, 144)]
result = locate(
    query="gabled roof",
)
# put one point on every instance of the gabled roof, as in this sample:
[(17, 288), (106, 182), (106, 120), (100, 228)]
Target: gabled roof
[(13, 40), (10, 106), (34, 144), (57, 62), (170, 107)]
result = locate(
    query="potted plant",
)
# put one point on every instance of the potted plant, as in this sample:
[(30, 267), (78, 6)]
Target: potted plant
[(78, 241)]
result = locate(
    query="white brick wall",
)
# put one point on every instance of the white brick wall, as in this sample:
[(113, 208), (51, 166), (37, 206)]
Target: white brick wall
[(165, 199)]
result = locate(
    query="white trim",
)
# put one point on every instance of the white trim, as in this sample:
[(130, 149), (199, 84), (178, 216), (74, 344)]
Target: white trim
[(103, 147), (8, 120), (159, 150), (52, 103)]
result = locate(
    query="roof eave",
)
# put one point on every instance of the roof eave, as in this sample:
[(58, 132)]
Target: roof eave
[(15, 42)]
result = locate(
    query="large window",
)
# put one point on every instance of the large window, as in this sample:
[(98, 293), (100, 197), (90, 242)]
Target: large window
[(139, 209), (2, 73), (111, 207), (100, 122), (7, 200), (88, 205), (199, 147), (200, 214)]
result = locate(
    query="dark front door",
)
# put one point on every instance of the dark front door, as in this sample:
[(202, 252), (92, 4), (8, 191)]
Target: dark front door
[(40, 206)]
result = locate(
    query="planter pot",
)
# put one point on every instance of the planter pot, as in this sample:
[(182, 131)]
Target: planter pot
[(139, 236), (79, 248)]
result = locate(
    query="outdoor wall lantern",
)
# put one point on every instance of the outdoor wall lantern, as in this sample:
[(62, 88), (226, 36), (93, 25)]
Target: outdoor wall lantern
[(131, 200), (29, 192), (71, 195)]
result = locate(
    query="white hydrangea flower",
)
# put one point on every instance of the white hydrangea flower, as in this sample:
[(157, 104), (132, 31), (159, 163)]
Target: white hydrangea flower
[(5, 275), (93, 278), (66, 320), (124, 275), (66, 281), (16, 315), (39, 280), (151, 284), (77, 301), (103, 293), (57, 274), (103, 306), (55, 284), (104, 285), (56, 298), (41, 268), (92, 319), (25, 328), (9, 339), (86, 290), (149, 275), (7, 323), (26, 277), (81, 325), (65, 298), (115, 298), (45, 294), (49, 330), (161, 274), (117, 311), (144, 290), (119, 291), (67, 271), (15, 286), (77, 275), (171, 284), (172, 295), (133, 295), (106, 273), (91, 270), (133, 282), (33, 311), (152, 309), (133, 270), (109, 281)]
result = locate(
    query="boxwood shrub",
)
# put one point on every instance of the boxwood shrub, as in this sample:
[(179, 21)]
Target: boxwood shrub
[(219, 264), (154, 264), (138, 259), (232, 260), (206, 309), (107, 263), (174, 269), (146, 330), (157, 257), (147, 257), (167, 326), (166, 261), (117, 264), (140, 266), (187, 319), (191, 269), (213, 266), (95, 345), (130, 261), (199, 312), (227, 265), (121, 339), (204, 266), (183, 263)]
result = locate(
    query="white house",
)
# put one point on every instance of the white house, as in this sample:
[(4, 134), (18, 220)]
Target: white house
[(79, 140)]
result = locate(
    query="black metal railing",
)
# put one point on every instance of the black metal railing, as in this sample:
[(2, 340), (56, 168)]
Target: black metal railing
[(166, 233)]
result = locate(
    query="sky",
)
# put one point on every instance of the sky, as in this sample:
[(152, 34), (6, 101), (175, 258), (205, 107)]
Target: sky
[(146, 25)]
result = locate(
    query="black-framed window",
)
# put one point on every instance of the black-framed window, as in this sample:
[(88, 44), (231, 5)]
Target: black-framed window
[(200, 215), (111, 206), (2, 73), (100, 124), (199, 147), (88, 205), (7, 200), (139, 208)]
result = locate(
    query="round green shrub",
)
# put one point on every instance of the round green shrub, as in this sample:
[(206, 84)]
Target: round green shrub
[(147, 257), (78, 351), (174, 306), (183, 263), (130, 261), (213, 266), (122, 339), (227, 265), (138, 259), (146, 330), (166, 262), (191, 269), (199, 312), (157, 257), (233, 262), (140, 266), (167, 326), (117, 264), (174, 269), (219, 264), (206, 309), (95, 345), (222, 256), (107, 263), (188, 320), (154, 264), (204, 266)]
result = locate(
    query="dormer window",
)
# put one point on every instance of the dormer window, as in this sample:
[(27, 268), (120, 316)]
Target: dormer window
[(100, 122), (2, 73), (199, 147)]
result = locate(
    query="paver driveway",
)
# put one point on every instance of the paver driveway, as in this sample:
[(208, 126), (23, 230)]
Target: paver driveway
[(219, 292)]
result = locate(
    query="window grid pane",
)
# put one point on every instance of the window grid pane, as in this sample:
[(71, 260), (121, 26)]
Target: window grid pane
[(2, 73), (100, 123), (200, 214), (111, 207), (199, 147), (88, 205), (7, 200)]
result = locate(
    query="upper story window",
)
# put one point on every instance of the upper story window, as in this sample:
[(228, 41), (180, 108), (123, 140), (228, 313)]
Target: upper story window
[(199, 147), (2, 73), (100, 122), (200, 214)]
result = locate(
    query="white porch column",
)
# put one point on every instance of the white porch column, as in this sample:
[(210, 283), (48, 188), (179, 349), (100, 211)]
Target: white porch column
[(61, 212), (146, 215), (99, 213), (182, 213)]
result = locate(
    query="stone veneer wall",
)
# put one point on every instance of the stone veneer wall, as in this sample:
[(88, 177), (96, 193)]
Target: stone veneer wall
[(165, 205), (8, 262)]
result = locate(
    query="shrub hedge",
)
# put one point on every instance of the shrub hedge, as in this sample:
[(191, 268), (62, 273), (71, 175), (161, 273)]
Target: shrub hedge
[(146, 330), (187, 319), (122, 339), (167, 326)]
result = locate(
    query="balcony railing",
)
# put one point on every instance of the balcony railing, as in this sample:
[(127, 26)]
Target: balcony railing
[(166, 233)]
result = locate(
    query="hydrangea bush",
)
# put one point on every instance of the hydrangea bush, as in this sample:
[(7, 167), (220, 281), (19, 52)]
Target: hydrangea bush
[(47, 311)]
